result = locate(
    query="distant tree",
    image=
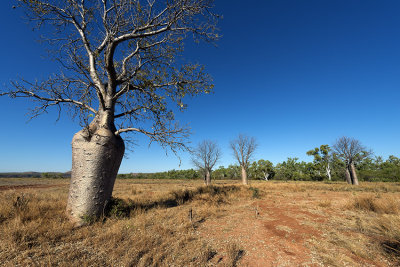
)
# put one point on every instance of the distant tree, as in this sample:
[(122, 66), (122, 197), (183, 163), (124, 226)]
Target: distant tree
[(233, 171), (262, 169), (243, 150), (390, 169), (322, 159), (220, 173), (205, 156), (395, 161), (289, 169), (376, 169), (338, 167), (122, 72), (350, 151), (45, 175)]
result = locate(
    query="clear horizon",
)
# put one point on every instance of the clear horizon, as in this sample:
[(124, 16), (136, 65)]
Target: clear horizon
[(295, 75)]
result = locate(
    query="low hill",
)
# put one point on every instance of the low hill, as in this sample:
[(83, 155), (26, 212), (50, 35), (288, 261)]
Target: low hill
[(35, 174)]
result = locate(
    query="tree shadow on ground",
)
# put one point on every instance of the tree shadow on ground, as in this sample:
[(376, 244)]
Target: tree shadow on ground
[(121, 208), (392, 248)]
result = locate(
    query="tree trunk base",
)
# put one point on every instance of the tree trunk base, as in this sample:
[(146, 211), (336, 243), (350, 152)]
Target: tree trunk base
[(348, 177), (208, 178), (353, 174), (244, 176), (95, 164)]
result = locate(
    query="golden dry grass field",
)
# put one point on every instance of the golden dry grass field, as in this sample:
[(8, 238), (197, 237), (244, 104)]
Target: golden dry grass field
[(149, 224)]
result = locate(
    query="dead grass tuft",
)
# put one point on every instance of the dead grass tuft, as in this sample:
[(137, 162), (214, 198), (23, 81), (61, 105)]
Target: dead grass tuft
[(325, 203), (370, 203), (386, 231), (234, 254)]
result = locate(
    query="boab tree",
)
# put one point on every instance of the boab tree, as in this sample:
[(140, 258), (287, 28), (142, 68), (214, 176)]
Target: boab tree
[(350, 151), (205, 156), (243, 150), (120, 73)]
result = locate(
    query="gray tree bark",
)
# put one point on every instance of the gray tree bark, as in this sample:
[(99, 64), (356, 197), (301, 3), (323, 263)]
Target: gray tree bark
[(96, 156), (348, 177), (244, 176), (353, 174), (208, 177)]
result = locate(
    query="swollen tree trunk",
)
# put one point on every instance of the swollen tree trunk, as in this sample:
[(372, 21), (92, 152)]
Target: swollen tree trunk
[(208, 177), (348, 177), (244, 176), (353, 174), (96, 156)]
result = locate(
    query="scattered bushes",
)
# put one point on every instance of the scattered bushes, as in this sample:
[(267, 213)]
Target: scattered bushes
[(255, 191)]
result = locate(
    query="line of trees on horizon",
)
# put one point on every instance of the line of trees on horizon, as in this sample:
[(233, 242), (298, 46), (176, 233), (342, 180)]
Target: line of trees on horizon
[(347, 160), (371, 170)]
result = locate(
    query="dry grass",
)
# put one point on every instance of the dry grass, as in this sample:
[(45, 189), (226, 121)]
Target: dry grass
[(366, 233), (325, 203), (377, 204), (234, 253), (295, 186), (149, 228), (383, 226), (148, 224)]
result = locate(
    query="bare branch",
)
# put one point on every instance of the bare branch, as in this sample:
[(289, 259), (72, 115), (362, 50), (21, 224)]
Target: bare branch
[(173, 136), (350, 149), (206, 155), (121, 55), (243, 149)]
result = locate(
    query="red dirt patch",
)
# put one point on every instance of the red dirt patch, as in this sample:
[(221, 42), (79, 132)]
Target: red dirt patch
[(277, 236)]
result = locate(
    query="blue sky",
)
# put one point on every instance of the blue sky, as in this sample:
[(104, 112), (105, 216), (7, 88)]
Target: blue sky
[(293, 74)]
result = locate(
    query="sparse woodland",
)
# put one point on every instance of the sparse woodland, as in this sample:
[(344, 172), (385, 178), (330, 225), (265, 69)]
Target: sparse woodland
[(123, 73), (370, 169)]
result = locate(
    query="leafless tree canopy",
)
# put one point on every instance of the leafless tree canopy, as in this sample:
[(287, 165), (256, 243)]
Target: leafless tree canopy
[(350, 149), (118, 57), (243, 149), (206, 155)]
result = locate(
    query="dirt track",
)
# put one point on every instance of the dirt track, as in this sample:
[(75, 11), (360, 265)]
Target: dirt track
[(279, 229)]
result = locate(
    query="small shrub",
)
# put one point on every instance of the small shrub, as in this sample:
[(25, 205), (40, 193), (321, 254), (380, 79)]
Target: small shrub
[(88, 219), (21, 203), (255, 191), (182, 196), (117, 208)]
